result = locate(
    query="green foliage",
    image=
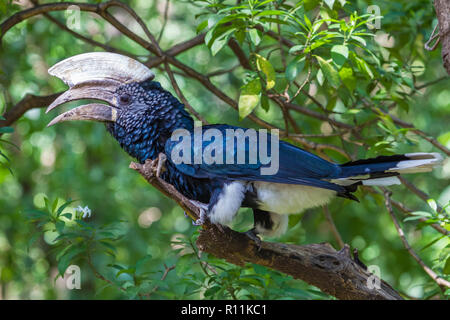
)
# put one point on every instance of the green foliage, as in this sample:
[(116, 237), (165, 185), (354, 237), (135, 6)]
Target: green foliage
[(75, 240), (3, 156), (351, 74), (441, 217)]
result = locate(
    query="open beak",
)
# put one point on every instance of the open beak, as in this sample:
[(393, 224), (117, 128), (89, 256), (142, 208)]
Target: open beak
[(95, 75)]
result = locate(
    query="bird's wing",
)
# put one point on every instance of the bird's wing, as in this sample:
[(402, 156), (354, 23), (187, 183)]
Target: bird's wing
[(295, 166)]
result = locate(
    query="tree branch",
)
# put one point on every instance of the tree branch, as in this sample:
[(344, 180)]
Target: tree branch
[(442, 8), (441, 282), (28, 102)]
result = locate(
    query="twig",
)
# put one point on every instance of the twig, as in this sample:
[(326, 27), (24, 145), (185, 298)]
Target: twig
[(97, 274), (424, 135), (430, 83), (333, 228), (28, 102), (441, 282), (402, 207), (239, 53), (181, 95), (82, 37), (164, 276), (421, 194), (300, 88), (221, 72), (165, 19), (114, 3)]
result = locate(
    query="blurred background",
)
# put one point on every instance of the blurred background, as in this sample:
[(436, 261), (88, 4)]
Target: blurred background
[(149, 233)]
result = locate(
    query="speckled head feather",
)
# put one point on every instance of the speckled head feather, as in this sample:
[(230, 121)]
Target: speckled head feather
[(147, 115)]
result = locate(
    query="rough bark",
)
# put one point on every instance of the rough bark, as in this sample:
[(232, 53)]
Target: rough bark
[(333, 272), (442, 8)]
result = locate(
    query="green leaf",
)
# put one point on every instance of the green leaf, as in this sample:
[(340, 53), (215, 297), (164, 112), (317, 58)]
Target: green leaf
[(266, 67), (364, 67), (265, 103), (59, 226), (254, 36), (211, 291), (360, 40), (6, 130), (129, 271), (417, 215), (240, 35), (202, 26), (307, 21), (446, 269), (68, 257), (329, 72), (432, 203), (432, 242), (294, 68), (339, 54), (271, 13), (222, 40), (329, 3), (347, 78), (320, 78), (445, 139), (296, 49), (249, 98), (55, 203), (63, 206)]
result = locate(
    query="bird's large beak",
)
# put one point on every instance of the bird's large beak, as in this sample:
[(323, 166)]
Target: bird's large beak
[(95, 75)]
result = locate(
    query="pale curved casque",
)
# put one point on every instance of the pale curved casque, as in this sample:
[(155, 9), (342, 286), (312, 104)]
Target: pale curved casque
[(95, 75)]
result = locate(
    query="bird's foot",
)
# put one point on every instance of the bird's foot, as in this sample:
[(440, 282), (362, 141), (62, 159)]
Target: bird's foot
[(253, 235), (160, 168), (203, 208)]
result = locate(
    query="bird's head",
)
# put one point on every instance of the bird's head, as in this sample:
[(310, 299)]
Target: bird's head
[(139, 113)]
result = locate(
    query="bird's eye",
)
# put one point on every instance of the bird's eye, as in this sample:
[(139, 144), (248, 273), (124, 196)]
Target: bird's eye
[(124, 98)]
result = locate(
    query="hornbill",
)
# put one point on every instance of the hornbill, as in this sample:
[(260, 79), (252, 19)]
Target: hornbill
[(143, 118)]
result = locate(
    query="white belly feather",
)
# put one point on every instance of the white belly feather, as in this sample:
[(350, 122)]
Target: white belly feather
[(272, 197), (288, 198)]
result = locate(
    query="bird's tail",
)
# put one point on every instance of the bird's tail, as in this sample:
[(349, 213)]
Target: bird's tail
[(382, 170)]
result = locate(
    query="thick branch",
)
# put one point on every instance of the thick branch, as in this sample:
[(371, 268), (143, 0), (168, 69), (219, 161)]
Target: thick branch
[(41, 9), (333, 272), (442, 8)]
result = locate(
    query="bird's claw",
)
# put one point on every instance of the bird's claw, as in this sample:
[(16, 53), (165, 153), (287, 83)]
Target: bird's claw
[(203, 210), (187, 216), (254, 236), (160, 164), (202, 218)]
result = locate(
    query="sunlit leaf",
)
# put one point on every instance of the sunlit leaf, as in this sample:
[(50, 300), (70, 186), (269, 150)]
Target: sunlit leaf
[(329, 72), (339, 54), (266, 67), (249, 98), (254, 36), (294, 68)]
